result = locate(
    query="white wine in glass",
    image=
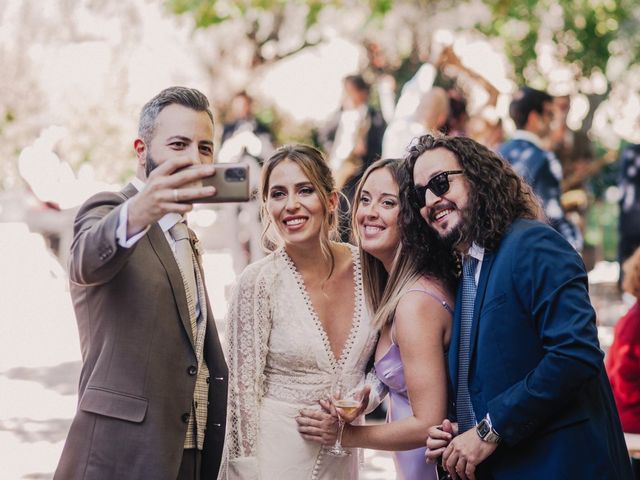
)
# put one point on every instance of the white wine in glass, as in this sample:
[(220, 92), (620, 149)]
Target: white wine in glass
[(344, 389), (346, 407)]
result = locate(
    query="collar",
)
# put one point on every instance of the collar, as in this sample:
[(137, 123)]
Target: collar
[(527, 136), (169, 219), (476, 251)]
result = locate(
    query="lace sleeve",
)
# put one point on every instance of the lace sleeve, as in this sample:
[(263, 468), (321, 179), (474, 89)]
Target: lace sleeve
[(248, 327)]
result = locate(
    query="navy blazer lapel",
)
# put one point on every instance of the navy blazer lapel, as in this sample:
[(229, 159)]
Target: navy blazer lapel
[(487, 263), (455, 340), (163, 250)]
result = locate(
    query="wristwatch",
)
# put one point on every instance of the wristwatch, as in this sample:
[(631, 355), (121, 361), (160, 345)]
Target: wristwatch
[(485, 431)]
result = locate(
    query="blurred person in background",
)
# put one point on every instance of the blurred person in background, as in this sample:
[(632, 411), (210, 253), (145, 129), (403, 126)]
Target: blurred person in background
[(623, 358), (411, 296), (245, 139), (353, 136), (383, 82), (532, 111), (430, 114), (573, 148), (243, 133), (486, 128), (152, 395), (629, 220), (296, 321), (353, 140), (458, 117)]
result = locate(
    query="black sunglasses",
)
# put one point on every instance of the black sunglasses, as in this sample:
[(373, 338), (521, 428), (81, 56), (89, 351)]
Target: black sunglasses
[(439, 185)]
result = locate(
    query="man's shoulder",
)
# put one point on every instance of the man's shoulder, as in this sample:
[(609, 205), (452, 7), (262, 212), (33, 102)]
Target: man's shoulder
[(102, 203), (106, 198), (524, 230), (539, 242)]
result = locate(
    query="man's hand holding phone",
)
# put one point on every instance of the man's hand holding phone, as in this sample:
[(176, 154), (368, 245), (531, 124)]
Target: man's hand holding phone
[(167, 190)]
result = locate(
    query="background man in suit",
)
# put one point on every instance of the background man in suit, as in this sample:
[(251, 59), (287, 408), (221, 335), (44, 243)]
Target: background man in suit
[(152, 396), (530, 393), (532, 111)]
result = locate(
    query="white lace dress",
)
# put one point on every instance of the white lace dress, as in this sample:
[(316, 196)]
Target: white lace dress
[(280, 361)]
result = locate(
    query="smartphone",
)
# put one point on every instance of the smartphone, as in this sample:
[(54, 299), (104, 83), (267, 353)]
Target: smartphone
[(441, 472), (231, 181)]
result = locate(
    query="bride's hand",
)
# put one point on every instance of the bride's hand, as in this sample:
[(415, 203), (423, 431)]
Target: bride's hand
[(318, 425)]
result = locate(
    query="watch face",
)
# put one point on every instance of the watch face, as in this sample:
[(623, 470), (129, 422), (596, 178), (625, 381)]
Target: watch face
[(483, 428)]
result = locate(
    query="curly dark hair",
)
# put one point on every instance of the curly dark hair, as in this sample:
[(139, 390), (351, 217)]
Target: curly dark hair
[(420, 243), (497, 195)]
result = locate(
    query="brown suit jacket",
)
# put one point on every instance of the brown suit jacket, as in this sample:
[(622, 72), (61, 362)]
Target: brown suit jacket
[(137, 380)]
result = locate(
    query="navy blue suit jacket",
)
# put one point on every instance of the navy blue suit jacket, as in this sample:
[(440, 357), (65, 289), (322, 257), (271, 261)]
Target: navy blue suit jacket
[(536, 366)]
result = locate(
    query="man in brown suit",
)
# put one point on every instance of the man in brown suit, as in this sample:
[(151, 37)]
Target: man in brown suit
[(153, 387)]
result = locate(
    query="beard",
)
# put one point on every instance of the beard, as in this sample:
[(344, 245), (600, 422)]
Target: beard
[(150, 165), (452, 238), (459, 234)]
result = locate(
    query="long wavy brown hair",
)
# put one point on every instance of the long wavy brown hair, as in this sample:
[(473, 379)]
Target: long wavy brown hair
[(384, 289), (497, 195)]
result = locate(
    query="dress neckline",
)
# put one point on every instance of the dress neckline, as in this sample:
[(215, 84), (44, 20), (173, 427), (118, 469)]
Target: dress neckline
[(337, 364)]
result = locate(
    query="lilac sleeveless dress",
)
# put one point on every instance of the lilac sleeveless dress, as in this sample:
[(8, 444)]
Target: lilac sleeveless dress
[(410, 464)]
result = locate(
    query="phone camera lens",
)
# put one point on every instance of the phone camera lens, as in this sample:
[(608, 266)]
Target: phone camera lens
[(235, 175)]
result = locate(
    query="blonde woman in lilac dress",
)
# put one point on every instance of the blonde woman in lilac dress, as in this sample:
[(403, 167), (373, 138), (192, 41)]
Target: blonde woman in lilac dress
[(413, 304)]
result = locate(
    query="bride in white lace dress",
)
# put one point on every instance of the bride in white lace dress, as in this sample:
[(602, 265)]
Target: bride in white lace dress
[(297, 319)]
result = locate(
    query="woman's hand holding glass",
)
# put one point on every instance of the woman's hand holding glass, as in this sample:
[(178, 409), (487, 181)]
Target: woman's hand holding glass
[(323, 426), (347, 400)]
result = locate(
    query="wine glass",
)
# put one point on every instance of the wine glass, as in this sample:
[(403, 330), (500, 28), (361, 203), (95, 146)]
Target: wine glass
[(344, 391)]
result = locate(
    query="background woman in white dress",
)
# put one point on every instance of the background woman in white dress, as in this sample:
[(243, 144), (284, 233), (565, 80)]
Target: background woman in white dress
[(296, 321)]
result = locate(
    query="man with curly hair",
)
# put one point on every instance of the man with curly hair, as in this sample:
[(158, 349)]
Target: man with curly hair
[(529, 392)]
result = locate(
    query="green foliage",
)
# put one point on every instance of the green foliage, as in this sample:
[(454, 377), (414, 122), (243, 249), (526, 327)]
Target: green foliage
[(380, 7), (204, 12), (212, 12), (591, 31)]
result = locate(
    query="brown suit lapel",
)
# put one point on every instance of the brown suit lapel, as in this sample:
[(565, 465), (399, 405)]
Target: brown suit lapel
[(163, 250)]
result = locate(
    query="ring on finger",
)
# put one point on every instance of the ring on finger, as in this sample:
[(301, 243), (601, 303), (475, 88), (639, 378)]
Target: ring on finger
[(175, 194)]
